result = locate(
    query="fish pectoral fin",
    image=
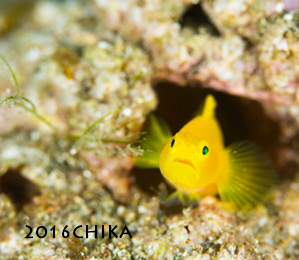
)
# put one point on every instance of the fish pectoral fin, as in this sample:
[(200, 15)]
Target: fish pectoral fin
[(156, 137), (250, 176)]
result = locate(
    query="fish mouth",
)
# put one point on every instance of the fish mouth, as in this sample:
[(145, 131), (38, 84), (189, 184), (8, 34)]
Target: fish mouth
[(184, 161)]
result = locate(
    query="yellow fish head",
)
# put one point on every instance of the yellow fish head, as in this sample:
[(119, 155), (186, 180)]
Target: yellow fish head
[(189, 164)]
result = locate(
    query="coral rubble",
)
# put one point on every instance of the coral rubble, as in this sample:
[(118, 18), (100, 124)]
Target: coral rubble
[(83, 88)]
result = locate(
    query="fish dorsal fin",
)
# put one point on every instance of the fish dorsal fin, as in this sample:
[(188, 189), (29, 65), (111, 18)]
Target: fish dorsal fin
[(250, 176), (156, 137), (209, 106)]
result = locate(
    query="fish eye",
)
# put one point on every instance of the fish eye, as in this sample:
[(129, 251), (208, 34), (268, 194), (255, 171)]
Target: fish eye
[(205, 150), (172, 143)]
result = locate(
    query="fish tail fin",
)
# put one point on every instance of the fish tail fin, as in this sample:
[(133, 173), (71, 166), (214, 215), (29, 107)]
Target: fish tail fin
[(209, 106), (156, 137), (251, 175)]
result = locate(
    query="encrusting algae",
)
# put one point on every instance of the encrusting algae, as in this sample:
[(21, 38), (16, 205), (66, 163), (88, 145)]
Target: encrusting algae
[(196, 162)]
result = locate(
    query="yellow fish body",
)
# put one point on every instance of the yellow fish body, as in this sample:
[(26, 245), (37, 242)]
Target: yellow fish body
[(196, 162)]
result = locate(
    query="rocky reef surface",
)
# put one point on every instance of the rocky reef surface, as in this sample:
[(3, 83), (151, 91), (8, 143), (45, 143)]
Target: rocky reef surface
[(74, 101)]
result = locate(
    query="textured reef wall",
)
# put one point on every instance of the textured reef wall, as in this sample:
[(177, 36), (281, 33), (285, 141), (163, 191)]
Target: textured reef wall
[(85, 71)]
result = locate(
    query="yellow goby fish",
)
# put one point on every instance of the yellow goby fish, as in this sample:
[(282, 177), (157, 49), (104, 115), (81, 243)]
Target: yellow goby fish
[(196, 162)]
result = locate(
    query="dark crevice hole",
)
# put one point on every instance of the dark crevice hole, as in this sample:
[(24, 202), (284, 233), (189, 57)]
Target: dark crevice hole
[(240, 119), (195, 17), (18, 188)]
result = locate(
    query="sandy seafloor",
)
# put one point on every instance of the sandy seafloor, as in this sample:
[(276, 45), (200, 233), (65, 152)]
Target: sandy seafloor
[(88, 73)]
